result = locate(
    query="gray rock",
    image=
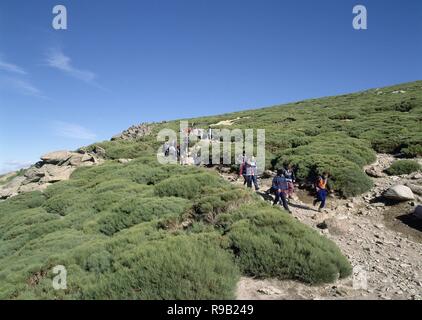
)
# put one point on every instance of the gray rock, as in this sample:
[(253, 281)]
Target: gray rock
[(7, 193), (33, 187), (15, 182), (54, 173), (335, 226), (378, 205), (399, 193), (100, 151), (56, 157), (134, 132), (78, 159), (11, 188), (416, 176), (415, 188), (375, 172)]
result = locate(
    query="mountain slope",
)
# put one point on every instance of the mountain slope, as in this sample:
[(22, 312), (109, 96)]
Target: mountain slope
[(147, 231)]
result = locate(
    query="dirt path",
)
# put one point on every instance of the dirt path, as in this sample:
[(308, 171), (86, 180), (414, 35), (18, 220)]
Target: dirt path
[(385, 252)]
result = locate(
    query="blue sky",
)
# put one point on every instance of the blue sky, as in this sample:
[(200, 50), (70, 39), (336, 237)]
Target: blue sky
[(125, 62)]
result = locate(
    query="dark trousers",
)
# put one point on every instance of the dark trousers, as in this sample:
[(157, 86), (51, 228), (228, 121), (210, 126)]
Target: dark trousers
[(252, 179), (245, 179), (321, 196), (281, 196)]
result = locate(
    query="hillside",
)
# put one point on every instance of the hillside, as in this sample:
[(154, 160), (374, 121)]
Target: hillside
[(126, 227)]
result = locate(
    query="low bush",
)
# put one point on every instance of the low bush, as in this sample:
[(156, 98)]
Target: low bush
[(403, 167), (267, 243), (178, 268), (187, 186), (412, 151), (211, 204), (136, 210)]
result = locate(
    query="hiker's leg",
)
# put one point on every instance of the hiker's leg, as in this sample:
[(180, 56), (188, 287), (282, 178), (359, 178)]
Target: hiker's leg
[(249, 181), (322, 195), (277, 197), (245, 179), (255, 182), (284, 200), (291, 189)]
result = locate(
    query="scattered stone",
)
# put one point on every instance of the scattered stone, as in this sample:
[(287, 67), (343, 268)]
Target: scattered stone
[(335, 226), (375, 173), (378, 204), (415, 188), (269, 291), (416, 176), (124, 160)]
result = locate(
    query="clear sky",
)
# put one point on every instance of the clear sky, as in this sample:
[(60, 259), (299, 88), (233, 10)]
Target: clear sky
[(129, 61)]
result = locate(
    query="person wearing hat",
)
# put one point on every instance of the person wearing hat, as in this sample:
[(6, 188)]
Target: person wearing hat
[(281, 188)]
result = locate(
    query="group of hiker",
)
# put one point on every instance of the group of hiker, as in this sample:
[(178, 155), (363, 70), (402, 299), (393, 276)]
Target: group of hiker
[(283, 183)]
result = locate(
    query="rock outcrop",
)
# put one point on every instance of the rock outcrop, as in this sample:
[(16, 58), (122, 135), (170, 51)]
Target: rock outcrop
[(53, 167), (134, 132)]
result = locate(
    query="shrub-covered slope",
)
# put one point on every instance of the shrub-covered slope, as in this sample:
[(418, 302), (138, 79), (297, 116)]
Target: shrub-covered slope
[(146, 231), (340, 134)]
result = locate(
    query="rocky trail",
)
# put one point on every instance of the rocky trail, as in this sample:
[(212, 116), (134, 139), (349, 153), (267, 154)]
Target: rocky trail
[(382, 240)]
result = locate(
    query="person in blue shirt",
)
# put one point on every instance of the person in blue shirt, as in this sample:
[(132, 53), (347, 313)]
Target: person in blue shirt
[(281, 188)]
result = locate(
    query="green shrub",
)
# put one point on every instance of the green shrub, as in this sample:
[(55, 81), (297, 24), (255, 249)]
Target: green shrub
[(98, 262), (268, 243), (211, 204), (187, 186), (133, 211), (179, 268), (412, 151), (403, 167), (21, 202)]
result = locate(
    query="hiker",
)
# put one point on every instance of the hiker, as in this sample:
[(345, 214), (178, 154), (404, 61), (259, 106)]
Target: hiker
[(242, 169), (166, 148), (321, 189), (251, 173), (280, 188), (172, 152), (178, 153), (290, 177)]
